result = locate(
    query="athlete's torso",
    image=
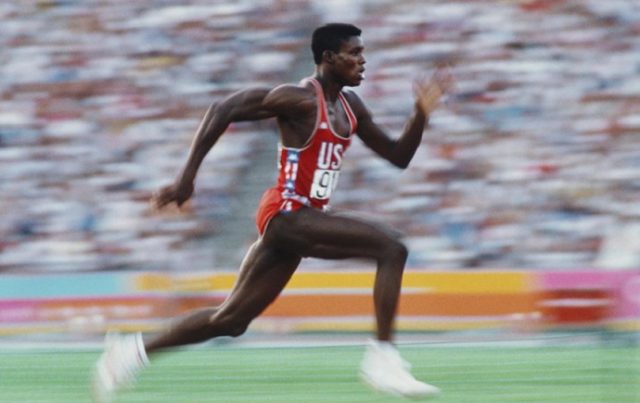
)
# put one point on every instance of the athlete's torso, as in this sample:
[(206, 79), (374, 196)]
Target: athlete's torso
[(309, 174)]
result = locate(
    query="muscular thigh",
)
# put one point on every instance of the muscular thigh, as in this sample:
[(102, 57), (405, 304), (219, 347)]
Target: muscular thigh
[(370, 219), (312, 233)]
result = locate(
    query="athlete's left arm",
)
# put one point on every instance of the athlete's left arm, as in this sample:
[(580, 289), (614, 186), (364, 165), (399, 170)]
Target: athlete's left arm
[(400, 151)]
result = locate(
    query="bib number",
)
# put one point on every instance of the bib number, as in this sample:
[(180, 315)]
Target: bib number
[(324, 182)]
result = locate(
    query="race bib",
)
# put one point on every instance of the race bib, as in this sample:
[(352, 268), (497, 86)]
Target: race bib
[(324, 182)]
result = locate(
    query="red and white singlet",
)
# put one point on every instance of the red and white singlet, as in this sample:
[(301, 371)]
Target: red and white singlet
[(307, 176)]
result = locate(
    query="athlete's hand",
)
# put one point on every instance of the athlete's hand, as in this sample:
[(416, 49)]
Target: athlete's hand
[(429, 91), (177, 193)]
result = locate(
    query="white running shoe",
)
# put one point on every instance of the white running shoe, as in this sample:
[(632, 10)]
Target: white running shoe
[(384, 370), (118, 366)]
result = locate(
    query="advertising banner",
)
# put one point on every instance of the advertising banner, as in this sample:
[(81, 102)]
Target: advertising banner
[(336, 300)]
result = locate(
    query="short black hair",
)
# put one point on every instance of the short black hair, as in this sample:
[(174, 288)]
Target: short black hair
[(330, 37)]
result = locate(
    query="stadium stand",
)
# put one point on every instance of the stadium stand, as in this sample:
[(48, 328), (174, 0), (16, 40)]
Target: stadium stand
[(532, 164)]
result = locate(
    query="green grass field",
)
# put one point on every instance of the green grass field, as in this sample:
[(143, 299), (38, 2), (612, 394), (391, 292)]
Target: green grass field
[(329, 374)]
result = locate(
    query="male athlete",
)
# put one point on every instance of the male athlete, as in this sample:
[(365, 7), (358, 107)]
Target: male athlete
[(317, 119)]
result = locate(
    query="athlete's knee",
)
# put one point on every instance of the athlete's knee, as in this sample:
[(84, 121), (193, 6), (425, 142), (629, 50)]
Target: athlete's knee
[(228, 324), (396, 250), (238, 329)]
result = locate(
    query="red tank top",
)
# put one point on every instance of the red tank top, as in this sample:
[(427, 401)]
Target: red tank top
[(308, 175)]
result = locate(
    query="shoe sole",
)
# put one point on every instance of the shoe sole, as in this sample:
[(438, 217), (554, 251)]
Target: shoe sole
[(374, 386)]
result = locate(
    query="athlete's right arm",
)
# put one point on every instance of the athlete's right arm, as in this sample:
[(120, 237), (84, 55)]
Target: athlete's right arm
[(241, 106), (288, 101)]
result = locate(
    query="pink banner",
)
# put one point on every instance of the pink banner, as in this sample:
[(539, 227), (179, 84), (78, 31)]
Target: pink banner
[(623, 287), (18, 311)]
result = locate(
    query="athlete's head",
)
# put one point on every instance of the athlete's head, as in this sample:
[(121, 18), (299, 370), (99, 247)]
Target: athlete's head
[(340, 47)]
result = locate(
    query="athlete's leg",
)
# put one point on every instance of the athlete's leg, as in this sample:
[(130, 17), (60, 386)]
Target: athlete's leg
[(312, 233), (263, 274), (309, 232)]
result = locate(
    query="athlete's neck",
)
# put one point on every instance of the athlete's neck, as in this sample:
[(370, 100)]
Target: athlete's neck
[(330, 86)]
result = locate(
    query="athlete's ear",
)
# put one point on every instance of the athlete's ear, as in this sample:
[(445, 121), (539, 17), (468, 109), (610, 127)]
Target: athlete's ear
[(329, 56)]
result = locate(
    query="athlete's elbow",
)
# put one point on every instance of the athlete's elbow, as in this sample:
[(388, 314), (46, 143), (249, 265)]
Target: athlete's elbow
[(401, 156), (401, 163)]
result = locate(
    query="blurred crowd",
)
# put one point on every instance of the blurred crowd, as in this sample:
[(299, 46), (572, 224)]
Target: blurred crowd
[(536, 160), (99, 101), (533, 161)]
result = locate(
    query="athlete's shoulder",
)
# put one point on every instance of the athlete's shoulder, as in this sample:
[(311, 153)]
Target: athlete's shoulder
[(355, 102), (301, 89), (350, 95), (287, 97)]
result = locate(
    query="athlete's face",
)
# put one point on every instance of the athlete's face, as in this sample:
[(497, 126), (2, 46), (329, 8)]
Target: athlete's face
[(350, 62)]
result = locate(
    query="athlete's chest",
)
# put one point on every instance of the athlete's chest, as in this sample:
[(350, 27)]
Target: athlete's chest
[(337, 119), (298, 133), (318, 115)]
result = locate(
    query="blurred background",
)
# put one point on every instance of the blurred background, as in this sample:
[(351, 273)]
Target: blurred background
[(521, 208), (531, 167), (533, 163)]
